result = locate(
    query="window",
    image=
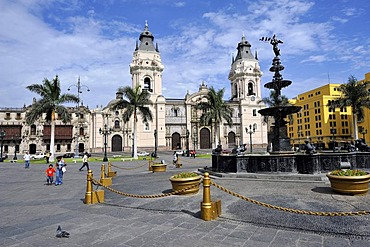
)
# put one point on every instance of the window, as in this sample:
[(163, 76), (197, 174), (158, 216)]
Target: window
[(254, 112), (116, 124), (255, 126), (33, 129), (58, 147), (250, 89), (82, 132), (147, 84)]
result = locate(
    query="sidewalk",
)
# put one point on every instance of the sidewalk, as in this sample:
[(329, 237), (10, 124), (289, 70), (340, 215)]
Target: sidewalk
[(31, 211)]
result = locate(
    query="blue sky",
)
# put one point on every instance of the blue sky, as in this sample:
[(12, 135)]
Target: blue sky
[(323, 41)]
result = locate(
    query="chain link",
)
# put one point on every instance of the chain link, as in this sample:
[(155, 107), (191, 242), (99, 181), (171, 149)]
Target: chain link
[(144, 196), (290, 210), (131, 168)]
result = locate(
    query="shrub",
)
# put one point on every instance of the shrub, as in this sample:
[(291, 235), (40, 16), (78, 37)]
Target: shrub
[(185, 175), (348, 172)]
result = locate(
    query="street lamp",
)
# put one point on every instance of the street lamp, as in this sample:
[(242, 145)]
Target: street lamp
[(2, 135), (187, 142), (364, 132), (250, 132), (14, 138), (79, 90), (105, 132), (333, 133), (155, 144)]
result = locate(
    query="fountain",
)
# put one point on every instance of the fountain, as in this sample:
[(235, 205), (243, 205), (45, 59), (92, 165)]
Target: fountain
[(281, 159), (280, 140)]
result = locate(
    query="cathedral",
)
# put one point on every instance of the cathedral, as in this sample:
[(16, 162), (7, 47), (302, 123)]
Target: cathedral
[(176, 122)]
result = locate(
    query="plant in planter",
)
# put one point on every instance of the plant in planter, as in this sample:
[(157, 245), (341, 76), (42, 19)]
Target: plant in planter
[(184, 180), (346, 181), (158, 167)]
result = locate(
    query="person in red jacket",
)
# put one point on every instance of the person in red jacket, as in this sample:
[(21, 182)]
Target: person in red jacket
[(50, 174)]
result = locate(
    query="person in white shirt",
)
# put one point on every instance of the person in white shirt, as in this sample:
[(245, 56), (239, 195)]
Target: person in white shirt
[(27, 158), (84, 162)]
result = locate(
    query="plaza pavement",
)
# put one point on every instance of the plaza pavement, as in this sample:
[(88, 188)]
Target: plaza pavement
[(30, 211)]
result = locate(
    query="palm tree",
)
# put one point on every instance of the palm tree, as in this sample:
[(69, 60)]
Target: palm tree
[(215, 110), (275, 100), (50, 103), (138, 102), (356, 95)]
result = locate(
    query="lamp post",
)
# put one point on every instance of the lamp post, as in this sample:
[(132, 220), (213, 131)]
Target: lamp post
[(364, 132), (333, 133), (2, 135), (187, 142), (79, 90), (105, 132), (155, 144), (250, 132), (14, 139)]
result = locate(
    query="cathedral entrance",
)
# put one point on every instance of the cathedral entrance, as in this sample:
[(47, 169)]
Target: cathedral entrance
[(231, 140), (176, 142), (81, 148), (205, 138), (32, 148), (116, 143)]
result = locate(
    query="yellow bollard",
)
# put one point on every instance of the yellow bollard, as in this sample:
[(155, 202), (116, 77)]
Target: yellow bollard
[(209, 210), (105, 180), (110, 172), (92, 197), (88, 194)]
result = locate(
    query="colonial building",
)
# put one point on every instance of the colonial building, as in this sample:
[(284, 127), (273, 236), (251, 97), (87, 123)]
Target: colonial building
[(176, 122)]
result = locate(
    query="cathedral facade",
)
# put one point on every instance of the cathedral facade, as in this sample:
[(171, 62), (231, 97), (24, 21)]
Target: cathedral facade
[(176, 122)]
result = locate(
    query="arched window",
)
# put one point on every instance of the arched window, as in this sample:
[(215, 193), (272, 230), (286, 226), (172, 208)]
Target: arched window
[(82, 132), (116, 124), (33, 129), (235, 91), (250, 89), (147, 85)]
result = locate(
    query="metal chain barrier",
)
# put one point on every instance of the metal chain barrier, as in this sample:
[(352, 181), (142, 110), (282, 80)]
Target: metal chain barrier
[(131, 168), (290, 210), (144, 196)]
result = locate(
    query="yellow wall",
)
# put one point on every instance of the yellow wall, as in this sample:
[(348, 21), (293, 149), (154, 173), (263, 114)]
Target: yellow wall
[(364, 126), (315, 121)]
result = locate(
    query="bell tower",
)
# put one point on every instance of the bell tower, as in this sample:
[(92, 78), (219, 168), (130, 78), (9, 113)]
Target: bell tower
[(245, 74), (146, 67)]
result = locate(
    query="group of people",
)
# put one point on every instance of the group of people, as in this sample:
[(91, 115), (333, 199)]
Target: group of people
[(59, 169)]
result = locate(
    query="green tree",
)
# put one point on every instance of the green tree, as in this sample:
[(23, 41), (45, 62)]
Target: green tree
[(275, 100), (137, 102), (215, 110), (355, 95), (50, 103)]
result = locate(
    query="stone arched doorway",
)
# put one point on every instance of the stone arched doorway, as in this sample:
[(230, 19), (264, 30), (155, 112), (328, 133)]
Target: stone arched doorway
[(32, 148), (81, 148), (231, 140), (205, 138), (176, 141), (116, 143)]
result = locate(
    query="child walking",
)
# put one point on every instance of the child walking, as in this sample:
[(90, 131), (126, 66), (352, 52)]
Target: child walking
[(50, 174)]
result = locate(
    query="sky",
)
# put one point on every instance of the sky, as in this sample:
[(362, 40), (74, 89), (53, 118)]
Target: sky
[(324, 41)]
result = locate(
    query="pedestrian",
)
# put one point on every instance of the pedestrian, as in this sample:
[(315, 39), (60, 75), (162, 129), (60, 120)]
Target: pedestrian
[(50, 174), (27, 159), (192, 152), (174, 159), (85, 162), (59, 171), (47, 157)]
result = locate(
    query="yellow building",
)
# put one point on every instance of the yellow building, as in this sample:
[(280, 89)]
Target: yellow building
[(319, 123), (364, 125)]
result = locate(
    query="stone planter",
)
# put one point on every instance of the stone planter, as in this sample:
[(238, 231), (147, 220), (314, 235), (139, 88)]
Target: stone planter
[(352, 185), (159, 167), (182, 183)]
